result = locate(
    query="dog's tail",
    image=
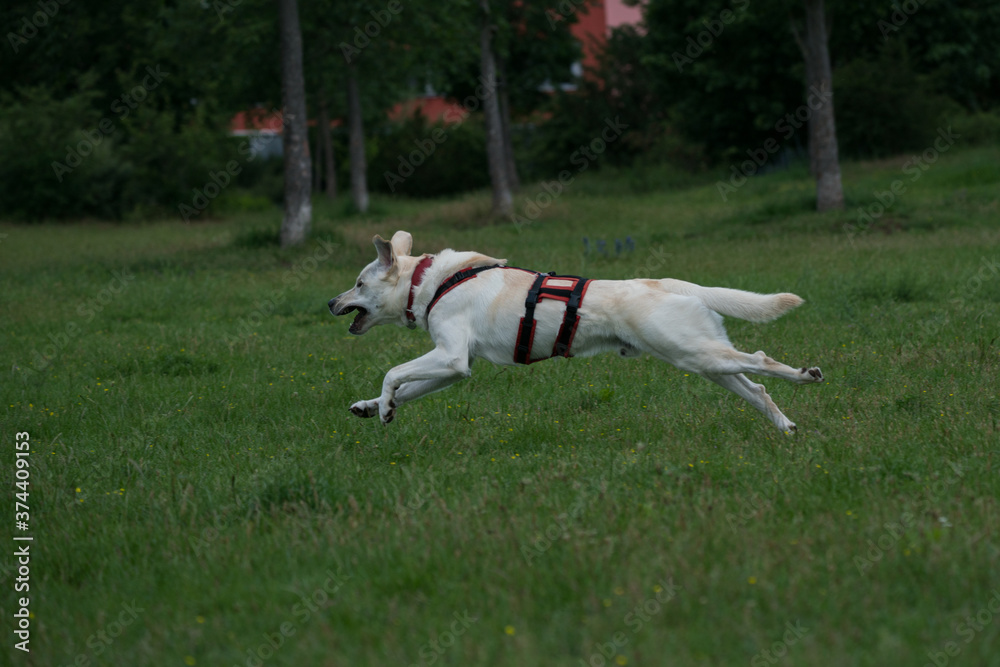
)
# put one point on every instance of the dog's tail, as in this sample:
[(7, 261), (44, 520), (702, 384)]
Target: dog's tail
[(737, 303)]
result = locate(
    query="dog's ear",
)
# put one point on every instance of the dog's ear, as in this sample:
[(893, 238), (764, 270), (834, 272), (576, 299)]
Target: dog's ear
[(386, 255), (402, 243)]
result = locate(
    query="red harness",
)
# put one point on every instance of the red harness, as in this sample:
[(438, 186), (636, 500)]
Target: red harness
[(568, 289), (445, 287), (418, 273)]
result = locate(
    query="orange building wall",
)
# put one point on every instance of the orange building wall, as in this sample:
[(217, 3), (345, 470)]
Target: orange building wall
[(593, 26), (591, 29)]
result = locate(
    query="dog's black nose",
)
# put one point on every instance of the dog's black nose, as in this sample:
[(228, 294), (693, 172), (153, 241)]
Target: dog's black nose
[(330, 304)]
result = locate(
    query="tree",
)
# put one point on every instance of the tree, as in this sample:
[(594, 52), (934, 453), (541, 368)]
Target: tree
[(720, 80), (298, 206), (714, 75), (376, 53), (356, 142), (496, 153), (823, 155), (510, 163), (533, 49), (326, 143)]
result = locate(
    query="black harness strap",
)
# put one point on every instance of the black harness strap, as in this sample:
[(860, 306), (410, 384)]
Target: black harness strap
[(526, 332), (570, 320), (455, 281), (571, 293)]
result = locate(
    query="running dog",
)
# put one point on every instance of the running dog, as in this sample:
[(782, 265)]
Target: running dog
[(474, 306)]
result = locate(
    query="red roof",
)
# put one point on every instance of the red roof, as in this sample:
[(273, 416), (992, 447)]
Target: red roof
[(255, 120), (434, 109)]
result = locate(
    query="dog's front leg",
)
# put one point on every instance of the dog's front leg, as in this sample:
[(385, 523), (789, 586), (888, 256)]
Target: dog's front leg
[(365, 408), (437, 368), (407, 392)]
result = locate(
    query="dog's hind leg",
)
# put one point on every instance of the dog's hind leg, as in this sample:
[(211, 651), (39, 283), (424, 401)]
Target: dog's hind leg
[(690, 336), (755, 395), (722, 359)]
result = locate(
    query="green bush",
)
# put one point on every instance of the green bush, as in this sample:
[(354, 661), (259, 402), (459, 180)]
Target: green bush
[(168, 160), (884, 108), (977, 129), (73, 158), (417, 159), (56, 160)]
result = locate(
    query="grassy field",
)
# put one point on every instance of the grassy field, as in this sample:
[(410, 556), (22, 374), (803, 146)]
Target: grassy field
[(200, 494)]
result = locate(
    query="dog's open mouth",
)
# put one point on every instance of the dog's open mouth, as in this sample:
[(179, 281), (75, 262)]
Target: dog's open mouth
[(358, 322)]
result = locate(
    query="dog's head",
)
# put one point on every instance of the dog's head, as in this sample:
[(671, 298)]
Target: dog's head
[(374, 296)]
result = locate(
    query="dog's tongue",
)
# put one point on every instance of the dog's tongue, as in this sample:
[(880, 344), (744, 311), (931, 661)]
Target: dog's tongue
[(356, 324)]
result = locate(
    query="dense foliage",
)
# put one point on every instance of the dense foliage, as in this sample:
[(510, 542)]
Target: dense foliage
[(706, 81), (147, 90)]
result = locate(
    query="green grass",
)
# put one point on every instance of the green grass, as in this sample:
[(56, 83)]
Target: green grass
[(192, 452)]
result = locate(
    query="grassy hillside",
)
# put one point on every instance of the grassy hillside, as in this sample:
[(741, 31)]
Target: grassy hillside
[(200, 495)]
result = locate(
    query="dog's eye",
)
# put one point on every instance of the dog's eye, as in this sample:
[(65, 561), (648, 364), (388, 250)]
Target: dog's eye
[(360, 284)]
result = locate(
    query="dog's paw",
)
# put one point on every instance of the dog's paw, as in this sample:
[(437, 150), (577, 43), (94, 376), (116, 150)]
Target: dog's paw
[(809, 375), (365, 409), (389, 413)]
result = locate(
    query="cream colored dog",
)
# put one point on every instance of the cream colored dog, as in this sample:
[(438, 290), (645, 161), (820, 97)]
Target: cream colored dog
[(672, 320)]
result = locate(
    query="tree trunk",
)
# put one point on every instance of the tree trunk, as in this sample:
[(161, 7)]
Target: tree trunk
[(822, 125), (359, 168), (326, 141), (298, 207), (811, 141), (503, 202), (508, 143), (317, 152)]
